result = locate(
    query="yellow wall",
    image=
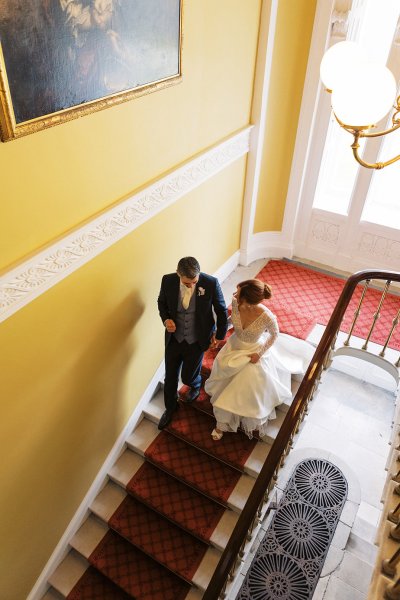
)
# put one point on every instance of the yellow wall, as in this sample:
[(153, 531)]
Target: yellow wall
[(75, 362), (291, 48)]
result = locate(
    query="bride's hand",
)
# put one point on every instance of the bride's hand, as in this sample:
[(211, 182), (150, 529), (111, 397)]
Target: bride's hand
[(254, 358)]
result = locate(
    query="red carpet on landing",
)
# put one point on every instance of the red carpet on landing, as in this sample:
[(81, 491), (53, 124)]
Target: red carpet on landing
[(311, 293)]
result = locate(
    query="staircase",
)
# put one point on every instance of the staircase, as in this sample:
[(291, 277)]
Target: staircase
[(165, 514)]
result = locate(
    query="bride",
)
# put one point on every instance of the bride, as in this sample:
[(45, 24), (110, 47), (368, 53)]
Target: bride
[(252, 373)]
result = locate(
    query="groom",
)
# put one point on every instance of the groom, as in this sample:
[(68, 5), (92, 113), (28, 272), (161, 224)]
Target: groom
[(185, 303)]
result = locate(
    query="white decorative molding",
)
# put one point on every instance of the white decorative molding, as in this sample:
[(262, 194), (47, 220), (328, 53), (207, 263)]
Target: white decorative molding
[(325, 232), (339, 24), (379, 247), (32, 278)]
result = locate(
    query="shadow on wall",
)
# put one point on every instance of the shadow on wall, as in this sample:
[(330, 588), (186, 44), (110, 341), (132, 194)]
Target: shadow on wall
[(100, 373)]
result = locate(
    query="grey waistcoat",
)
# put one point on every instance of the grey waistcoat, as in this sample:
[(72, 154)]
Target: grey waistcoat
[(185, 321)]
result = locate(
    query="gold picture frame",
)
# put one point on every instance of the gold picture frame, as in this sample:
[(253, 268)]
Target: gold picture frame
[(60, 58)]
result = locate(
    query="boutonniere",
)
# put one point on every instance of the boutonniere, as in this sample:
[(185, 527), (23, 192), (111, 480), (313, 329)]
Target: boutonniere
[(201, 291)]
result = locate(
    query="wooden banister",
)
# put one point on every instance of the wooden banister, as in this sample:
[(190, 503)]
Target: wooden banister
[(263, 482)]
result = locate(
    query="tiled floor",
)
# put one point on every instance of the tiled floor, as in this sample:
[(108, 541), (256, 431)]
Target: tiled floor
[(349, 423)]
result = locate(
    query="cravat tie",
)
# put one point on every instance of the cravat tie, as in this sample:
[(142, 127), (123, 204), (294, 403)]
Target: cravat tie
[(186, 297)]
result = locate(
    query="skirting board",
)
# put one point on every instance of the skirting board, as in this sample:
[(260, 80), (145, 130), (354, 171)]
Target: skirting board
[(266, 245), (62, 547)]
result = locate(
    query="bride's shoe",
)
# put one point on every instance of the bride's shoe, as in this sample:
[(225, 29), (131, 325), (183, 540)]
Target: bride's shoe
[(216, 436)]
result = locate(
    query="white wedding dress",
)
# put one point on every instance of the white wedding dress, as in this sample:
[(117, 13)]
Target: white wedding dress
[(245, 394)]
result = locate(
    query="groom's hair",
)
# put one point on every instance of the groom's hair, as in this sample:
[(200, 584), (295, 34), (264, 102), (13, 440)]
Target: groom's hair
[(188, 267)]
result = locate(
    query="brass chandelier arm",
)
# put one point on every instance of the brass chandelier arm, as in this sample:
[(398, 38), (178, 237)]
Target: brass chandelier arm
[(360, 133)]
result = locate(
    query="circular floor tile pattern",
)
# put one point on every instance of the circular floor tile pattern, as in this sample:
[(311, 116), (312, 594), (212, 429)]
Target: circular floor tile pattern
[(291, 555)]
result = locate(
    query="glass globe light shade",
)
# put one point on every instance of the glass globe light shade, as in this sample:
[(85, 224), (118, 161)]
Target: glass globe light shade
[(341, 58), (365, 96)]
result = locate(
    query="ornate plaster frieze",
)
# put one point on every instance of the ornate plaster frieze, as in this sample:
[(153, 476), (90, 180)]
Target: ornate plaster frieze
[(325, 232), (379, 247), (26, 282)]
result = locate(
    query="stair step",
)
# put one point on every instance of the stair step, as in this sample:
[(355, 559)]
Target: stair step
[(125, 565), (75, 576), (52, 594), (274, 426), (157, 537), (205, 473), (195, 426), (129, 463), (91, 583), (362, 549), (196, 513)]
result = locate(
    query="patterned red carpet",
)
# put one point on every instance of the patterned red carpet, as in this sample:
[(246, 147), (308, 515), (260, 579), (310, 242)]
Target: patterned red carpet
[(157, 537), (134, 572), (195, 426), (94, 586), (178, 502), (314, 294), (204, 473)]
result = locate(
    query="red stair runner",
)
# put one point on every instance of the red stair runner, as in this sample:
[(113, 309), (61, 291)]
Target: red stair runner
[(201, 403), (134, 572), (195, 427), (94, 586), (195, 468), (157, 537), (178, 502)]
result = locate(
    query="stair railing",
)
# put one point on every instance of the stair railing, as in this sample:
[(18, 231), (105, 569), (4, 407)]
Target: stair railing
[(265, 482)]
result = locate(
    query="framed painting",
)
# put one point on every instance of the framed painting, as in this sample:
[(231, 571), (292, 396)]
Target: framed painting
[(62, 59)]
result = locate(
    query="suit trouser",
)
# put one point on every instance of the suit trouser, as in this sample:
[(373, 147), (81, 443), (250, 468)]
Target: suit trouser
[(181, 355)]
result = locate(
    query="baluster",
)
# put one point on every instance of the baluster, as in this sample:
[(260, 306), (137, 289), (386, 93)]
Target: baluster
[(328, 358), (232, 572), (250, 531), (377, 314), (396, 478), (395, 533), (393, 515), (223, 591), (392, 592), (389, 564), (357, 312), (395, 322), (242, 547), (259, 512)]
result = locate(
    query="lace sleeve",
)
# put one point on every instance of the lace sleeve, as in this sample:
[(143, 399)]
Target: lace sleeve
[(271, 326)]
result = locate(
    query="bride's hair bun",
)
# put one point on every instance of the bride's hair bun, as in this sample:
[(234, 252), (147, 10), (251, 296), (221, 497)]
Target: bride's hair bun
[(254, 291), (267, 291)]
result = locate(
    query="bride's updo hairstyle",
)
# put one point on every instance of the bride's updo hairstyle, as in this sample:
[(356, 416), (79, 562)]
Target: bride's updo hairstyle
[(254, 291)]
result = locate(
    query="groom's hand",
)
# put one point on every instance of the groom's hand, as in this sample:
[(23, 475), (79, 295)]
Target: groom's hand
[(170, 325), (214, 343)]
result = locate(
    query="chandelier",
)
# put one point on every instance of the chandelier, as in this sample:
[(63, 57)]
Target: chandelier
[(363, 93)]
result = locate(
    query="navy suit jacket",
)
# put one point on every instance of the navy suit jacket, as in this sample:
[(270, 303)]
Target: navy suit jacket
[(212, 298)]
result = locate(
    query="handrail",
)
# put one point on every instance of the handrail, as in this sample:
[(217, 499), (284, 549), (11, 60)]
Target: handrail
[(255, 499)]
